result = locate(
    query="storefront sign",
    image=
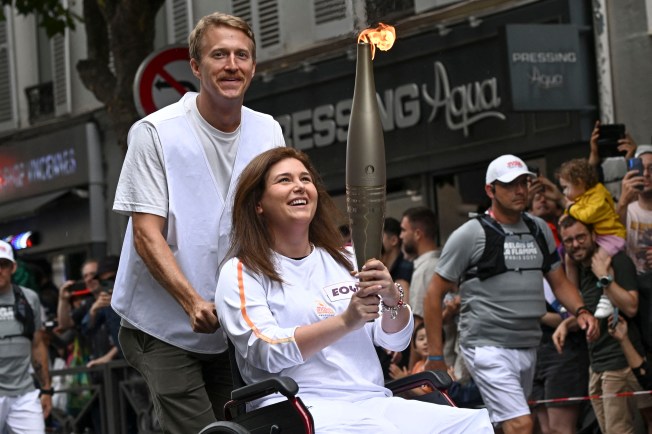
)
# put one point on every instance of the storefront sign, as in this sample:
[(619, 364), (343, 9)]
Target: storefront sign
[(443, 99), (43, 164), (459, 105), (545, 67)]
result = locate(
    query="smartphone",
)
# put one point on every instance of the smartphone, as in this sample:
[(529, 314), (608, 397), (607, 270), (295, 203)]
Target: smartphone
[(614, 320), (636, 164), (77, 286), (608, 140)]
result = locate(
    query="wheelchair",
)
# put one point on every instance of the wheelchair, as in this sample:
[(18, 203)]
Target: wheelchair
[(291, 416)]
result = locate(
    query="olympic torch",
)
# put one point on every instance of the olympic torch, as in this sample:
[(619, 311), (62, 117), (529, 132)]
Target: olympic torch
[(365, 151)]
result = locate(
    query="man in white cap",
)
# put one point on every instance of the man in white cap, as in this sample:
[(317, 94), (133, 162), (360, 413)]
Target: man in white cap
[(635, 210), (22, 407), (499, 260)]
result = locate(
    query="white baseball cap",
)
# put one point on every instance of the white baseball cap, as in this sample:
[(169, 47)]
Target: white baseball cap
[(643, 149), (506, 168), (6, 252)]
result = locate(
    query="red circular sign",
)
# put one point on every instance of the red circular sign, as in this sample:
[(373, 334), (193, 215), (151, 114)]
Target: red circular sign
[(162, 78)]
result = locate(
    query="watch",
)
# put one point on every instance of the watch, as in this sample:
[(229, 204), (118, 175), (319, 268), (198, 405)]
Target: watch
[(605, 281)]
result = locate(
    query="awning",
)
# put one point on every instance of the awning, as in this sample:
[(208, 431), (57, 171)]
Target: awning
[(26, 207)]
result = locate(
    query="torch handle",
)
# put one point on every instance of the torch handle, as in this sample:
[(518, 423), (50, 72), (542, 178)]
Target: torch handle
[(366, 209)]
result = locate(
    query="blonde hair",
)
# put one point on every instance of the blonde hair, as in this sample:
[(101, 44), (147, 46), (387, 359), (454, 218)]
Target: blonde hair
[(578, 171), (217, 19)]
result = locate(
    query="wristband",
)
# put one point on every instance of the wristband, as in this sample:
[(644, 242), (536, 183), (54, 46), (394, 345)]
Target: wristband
[(47, 392), (393, 310), (581, 309), (435, 358)]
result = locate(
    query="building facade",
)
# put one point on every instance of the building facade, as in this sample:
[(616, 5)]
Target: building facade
[(465, 82)]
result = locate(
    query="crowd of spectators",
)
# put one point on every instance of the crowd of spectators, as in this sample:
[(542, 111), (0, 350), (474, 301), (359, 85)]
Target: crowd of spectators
[(604, 239), (80, 330)]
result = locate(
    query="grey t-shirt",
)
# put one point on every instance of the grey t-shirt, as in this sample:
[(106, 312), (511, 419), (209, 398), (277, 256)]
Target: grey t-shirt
[(502, 310), (16, 352)]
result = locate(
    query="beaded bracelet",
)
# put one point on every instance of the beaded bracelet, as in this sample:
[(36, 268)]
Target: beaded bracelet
[(393, 310), (435, 358)]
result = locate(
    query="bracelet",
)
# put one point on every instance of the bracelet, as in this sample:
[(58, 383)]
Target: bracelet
[(47, 392), (393, 310), (581, 309), (435, 358)]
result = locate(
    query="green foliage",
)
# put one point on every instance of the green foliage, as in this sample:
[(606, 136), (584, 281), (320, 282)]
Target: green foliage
[(53, 17)]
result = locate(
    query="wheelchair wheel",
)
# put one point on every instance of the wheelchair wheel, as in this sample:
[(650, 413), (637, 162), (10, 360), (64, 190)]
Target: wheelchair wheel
[(224, 427)]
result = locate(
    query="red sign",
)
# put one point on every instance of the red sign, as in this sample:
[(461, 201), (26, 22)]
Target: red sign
[(162, 78)]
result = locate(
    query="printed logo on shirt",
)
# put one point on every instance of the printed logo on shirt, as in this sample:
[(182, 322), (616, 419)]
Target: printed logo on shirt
[(323, 311), (521, 252), (340, 291), (6, 313)]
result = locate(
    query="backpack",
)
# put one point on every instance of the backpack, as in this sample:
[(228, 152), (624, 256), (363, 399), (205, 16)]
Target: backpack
[(23, 312), (492, 261)]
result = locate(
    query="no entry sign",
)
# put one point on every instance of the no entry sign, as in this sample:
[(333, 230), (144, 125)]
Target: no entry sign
[(162, 78)]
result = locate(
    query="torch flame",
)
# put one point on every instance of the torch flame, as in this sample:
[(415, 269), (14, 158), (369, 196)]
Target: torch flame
[(381, 37)]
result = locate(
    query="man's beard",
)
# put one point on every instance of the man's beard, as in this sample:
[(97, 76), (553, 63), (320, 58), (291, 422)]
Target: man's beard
[(410, 249)]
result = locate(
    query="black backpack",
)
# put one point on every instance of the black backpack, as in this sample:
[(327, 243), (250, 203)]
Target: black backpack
[(23, 312), (492, 261)]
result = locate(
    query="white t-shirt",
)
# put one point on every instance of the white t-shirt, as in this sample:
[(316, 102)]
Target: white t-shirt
[(144, 166), (261, 316), (639, 235)]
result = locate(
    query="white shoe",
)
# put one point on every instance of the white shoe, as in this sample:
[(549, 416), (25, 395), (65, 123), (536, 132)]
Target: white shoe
[(604, 309)]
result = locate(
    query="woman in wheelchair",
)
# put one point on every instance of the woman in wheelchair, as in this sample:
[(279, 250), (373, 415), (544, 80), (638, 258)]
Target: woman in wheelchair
[(292, 305)]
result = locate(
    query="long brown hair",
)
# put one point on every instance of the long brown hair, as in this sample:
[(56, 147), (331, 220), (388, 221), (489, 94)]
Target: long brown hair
[(251, 242)]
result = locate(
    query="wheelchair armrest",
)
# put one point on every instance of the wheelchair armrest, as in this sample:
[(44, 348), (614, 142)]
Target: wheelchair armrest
[(439, 380), (284, 385)]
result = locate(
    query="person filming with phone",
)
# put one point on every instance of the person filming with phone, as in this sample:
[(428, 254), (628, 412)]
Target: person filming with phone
[(635, 210), (609, 371), (611, 147)]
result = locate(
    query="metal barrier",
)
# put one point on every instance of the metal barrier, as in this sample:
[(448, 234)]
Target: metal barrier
[(116, 392)]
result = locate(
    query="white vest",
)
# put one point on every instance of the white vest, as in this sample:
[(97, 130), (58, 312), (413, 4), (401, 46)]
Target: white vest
[(197, 229)]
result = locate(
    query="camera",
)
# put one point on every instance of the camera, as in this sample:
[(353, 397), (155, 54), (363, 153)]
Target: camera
[(636, 164), (608, 140)]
